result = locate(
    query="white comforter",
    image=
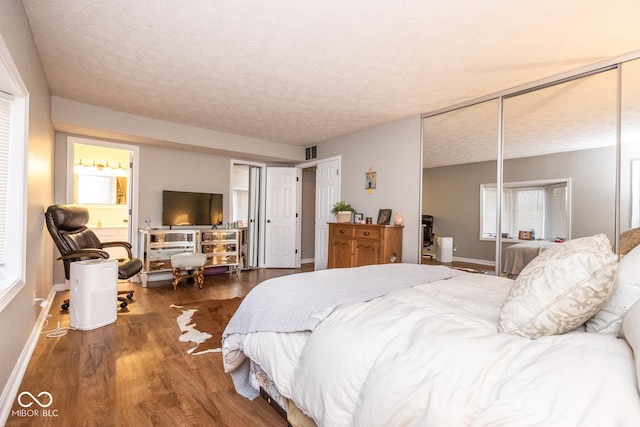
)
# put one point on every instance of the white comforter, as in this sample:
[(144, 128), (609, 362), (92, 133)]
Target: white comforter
[(430, 355)]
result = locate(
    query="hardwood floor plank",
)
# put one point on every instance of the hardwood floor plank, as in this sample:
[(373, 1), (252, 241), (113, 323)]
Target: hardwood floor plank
[(136, 372)]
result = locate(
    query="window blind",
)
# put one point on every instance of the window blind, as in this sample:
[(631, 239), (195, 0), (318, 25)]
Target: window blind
[(5, 133)]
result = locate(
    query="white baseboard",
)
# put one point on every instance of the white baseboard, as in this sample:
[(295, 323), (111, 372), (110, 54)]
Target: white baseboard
[(307, 261), (60, 287), (13, 384)]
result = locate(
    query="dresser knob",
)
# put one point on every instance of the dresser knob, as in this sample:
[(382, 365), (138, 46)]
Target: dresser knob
[(366, 233), (341, 231)]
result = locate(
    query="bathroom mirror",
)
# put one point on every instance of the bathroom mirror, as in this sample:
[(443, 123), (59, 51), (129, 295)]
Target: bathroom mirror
[(99, 189)]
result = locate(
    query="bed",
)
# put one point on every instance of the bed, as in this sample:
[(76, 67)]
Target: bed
[(408, 344), (515, 257)]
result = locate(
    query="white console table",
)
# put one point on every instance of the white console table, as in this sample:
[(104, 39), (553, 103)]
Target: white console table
[(156, 246)]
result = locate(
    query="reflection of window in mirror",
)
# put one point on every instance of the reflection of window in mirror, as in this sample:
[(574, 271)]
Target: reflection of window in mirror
[(542, 206)]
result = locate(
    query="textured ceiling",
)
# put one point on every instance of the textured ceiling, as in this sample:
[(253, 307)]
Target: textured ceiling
[(300, 72)]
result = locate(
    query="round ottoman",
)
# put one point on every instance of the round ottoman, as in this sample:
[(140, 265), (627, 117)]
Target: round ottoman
[(190, 262)]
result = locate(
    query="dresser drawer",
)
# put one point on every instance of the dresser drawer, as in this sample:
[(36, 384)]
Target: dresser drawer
[(367, 233), (344, 231)]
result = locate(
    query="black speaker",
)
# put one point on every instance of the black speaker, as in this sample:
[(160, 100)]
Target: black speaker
[(311, 152)]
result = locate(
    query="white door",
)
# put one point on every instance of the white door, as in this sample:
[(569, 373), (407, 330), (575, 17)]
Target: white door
[(327, 194), (281, 218)]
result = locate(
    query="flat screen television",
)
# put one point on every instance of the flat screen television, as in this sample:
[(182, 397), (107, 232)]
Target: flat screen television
[(188, 208)]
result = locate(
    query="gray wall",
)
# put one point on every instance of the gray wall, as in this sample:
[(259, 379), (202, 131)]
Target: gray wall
[(394, 151), (18, 318), (170, 169), (452, 195)]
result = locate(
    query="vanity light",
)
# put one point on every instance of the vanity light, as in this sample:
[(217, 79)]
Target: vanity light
[(99, 169)]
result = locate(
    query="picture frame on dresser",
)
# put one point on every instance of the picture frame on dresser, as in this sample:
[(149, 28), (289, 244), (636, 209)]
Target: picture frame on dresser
[(384, 216), (358, 218)]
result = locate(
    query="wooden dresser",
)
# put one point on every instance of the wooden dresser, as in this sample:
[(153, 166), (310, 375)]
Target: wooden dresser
[(353, 245)]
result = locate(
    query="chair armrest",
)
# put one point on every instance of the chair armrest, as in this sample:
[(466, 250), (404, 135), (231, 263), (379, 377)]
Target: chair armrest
[(85, 253), (125, 245)]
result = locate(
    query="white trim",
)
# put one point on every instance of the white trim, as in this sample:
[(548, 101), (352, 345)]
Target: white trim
[(9, 292), (316, 162), (310, 164), (263, 206), (13, 384), (14, 270)]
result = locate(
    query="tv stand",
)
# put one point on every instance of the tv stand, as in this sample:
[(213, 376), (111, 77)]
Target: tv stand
[(156, 246)]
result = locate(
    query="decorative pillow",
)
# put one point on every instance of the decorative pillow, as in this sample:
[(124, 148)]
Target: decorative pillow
[(561, 288), (627, 292)]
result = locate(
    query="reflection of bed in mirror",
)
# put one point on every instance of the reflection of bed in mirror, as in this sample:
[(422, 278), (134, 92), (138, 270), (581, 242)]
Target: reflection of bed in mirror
[(516, 257)]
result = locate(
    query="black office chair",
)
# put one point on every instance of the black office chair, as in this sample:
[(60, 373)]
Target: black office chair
[(67, 225), (427, 231)]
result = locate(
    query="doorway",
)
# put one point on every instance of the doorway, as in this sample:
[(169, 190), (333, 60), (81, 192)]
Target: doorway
[(316, 207), (100, 177), (247, 188)]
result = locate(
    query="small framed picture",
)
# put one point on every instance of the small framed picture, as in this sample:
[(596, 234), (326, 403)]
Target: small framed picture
[(524, 235), (384, 216), (358, 218)]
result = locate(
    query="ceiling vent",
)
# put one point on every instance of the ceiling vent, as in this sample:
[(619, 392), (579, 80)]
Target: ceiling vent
[(311, 152)]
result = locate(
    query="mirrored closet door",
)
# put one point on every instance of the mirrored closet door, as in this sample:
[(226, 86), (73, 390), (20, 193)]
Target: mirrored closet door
[(630, 157), (536, 166), (460, 153)]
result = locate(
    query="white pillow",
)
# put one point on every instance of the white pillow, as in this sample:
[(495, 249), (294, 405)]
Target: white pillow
[(561, 288), (627, 292), (630, 331)]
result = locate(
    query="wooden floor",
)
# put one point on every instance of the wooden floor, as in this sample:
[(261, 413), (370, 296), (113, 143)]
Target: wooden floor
[(467, 266), (135, 372)]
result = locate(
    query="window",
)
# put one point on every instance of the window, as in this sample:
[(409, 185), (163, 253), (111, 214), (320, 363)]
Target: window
[(539, 206), (5, 133), (13, 151)]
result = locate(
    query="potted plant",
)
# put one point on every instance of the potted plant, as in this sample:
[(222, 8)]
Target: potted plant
[(342, 210)]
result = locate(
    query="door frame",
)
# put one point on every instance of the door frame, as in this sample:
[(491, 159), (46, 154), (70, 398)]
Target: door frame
[(133, 181), (313, 163), (262, 202)]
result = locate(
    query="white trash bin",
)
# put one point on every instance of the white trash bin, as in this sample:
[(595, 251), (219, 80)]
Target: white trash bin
[(444, 249), (94, 292)]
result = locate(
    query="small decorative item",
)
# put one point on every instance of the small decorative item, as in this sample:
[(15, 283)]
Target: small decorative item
[(384, 216), (369, 220), (370, 180), (358, 218), (524, 235), (397, 219), (342, 210)]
